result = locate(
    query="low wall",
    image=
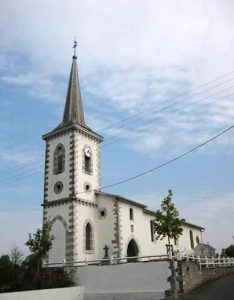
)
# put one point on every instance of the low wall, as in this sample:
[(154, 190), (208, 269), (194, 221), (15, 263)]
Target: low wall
[(123, 278), (70, 293), (192, 276)]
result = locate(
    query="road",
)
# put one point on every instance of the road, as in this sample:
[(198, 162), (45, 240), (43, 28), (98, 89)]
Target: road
[(221, 289)]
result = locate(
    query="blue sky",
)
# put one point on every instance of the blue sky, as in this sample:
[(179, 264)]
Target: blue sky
[(135, 58)]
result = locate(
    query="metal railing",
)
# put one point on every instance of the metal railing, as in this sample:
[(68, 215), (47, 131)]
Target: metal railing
[(108, 261), (204, 262), (210, 262)]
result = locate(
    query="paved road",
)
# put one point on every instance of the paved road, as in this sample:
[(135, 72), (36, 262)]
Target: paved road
[(221, 289)]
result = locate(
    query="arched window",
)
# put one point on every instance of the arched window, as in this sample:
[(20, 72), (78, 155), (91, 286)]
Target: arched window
[(191, 239), (197, 240), (87, 164), (131, 214), (59, 159), (88, 237)]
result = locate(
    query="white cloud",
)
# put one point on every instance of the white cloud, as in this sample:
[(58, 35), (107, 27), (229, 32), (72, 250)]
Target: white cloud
[(132, 57), (19, 156), (34, 84)]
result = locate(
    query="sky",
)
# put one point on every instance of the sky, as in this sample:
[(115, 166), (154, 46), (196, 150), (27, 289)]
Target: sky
[(157, 79)]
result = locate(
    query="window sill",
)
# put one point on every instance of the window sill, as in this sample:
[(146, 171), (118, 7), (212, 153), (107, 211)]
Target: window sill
[(88, 251)]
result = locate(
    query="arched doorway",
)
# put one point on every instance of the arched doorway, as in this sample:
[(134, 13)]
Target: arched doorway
[(132, 250)]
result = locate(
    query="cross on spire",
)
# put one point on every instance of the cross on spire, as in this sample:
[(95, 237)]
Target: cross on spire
[(74, 47)]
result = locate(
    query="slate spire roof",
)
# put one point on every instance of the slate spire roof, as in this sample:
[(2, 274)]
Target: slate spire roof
[(73, 111)]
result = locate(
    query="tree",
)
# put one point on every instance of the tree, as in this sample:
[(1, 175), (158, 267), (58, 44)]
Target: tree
[(16, 255), (229, 251), (6, 273), (40, 243), (167, 222)]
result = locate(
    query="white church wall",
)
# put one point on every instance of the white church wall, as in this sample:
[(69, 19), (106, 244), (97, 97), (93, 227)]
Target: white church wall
[(64, 176), (141, 231), (58, 252), (59, 210), (184, 244), (105, 224), (84, 214)]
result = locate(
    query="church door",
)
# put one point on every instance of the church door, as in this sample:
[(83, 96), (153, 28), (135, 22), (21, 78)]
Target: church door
[(132, 251)]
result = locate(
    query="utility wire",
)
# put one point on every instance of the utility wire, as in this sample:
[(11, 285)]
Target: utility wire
[(169, 161), (34, 160), (140, 130), (168, 106), (13, 178), (171, 99)]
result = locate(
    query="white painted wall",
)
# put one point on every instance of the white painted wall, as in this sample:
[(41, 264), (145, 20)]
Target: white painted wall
[(58, 252), (105, 226), (184, 244), (71, 293), (83, 214), (142, 232), (149, 276)]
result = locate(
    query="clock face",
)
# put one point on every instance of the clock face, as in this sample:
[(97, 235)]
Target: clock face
[(87, 151)]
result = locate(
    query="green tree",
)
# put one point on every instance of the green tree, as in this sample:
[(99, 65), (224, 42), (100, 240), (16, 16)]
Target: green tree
[(167, 222), (230, 251), (40, 243), (6, 273)]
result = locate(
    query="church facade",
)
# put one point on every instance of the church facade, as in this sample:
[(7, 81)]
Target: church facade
[(84, 219)]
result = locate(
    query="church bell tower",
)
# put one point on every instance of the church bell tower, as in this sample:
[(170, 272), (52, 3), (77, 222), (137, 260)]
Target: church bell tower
[(72, 172)]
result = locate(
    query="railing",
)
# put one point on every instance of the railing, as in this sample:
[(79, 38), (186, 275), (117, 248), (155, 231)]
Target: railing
[(204, 262), (108, 261), (210, 262)]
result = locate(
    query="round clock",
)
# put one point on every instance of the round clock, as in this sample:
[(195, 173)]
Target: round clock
[(87, 151)]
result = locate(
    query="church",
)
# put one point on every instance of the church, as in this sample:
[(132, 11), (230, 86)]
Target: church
[(86, 221)]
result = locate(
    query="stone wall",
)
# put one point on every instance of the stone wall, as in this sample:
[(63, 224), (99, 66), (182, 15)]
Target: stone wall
[(191, 276)]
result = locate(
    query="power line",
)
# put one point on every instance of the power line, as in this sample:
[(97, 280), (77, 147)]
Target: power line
[(169, 161), (30, 171), (168, 106), (171, 99), (114, 140)]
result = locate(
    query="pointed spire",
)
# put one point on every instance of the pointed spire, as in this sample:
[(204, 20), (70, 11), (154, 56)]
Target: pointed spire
[(73, 111)]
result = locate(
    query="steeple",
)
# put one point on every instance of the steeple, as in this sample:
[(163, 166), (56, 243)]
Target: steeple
[(73, 111)]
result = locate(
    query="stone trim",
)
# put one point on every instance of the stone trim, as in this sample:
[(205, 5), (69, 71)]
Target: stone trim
[(72, 225), (46, 171), (71, 127), (116, 240), (72, 165), (64, 201), (98, 167)]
